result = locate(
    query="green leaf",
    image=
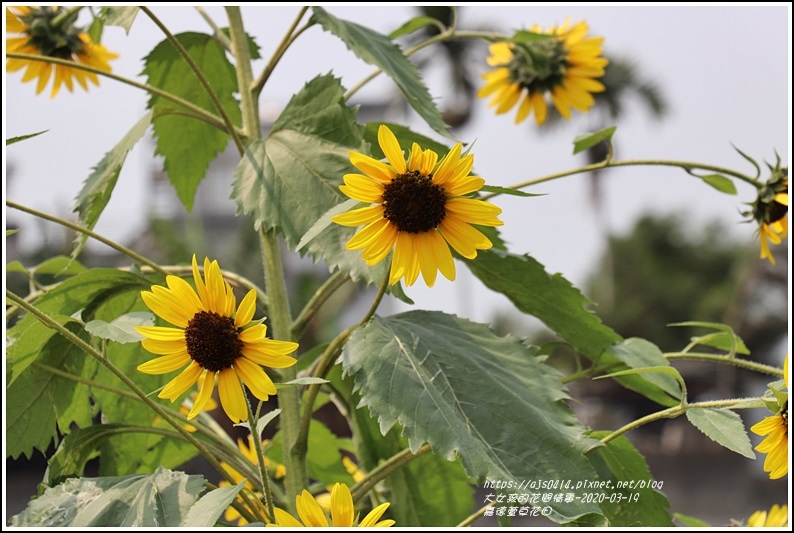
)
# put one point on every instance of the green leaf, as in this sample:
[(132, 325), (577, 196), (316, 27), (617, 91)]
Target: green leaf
[(122, 329), (84, 292), (59, 265), (487, 399), (638, 353), (189, 145), (720, 182), (40, 405), (28, 342), (96, 191), (262, 423), (289, 180), (723, 427), (551, 298), (322, 223), (414, 24), (300, 382), (11, 232), (19, 138), (77, 449), (725, 340), (95, 29), (751, 160), (162, 499), (526, 36), (16, 266), (380, 51), (506, 190), (119, 16), (631, 498), (588, 140), (207, 511), (689, 521)]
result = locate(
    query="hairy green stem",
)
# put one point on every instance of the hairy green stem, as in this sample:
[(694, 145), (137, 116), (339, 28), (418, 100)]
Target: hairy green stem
[(383, 470), (216, 31), (320, 296), (278, 53), (689, 167), (216, 102), (124, 250), (476, 515), (206, 116), (678, 410), (260, 456), (735, 361)]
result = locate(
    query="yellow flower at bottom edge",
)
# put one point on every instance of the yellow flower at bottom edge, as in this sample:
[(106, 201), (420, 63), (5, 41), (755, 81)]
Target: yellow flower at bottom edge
[(775, 444), (36, 34), (777, 517), (421, 210), (212, 340), (249, 451), (342, 512), (563, 67)]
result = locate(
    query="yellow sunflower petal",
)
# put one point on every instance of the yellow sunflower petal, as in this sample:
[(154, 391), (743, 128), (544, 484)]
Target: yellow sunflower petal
[(231, 395), (255, 378), (405, 263), (161, 347), (474, 211), (380, 247), (358, 217), (245, 313), (371, 520), (204, 395), (373, 168), (362, 188), (309, 510), (165, 305), (391, 149), (367, 235), (342, 510), (284, 519), (165, 364), (268, 358), (161, 334), (186, 379), (462, 237)]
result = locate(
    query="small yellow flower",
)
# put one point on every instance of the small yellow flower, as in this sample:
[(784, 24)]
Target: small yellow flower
[(50, 31), (775, 444), (420, 210), (249, 451), (563, 66), (212, 340), (777, 517), (342, 512)]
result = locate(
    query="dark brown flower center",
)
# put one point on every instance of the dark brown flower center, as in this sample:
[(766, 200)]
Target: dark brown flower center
[(413, 203), (212, 341)]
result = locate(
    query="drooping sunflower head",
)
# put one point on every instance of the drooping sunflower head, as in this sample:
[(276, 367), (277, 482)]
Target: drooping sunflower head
[(212, 338), (561, 63), (420, 210), (770, 210), (52, 32), (342, 512)]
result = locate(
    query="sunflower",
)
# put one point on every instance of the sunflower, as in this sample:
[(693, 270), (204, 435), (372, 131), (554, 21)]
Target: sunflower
[(249, 451), (342, 511), (771, 213), (777, 517), (775, 430), (562, 63), (420, 210), (51, 32), (211, 339)]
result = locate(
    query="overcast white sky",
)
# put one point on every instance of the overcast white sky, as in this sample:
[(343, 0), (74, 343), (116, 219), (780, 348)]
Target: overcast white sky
[(724, 69)]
